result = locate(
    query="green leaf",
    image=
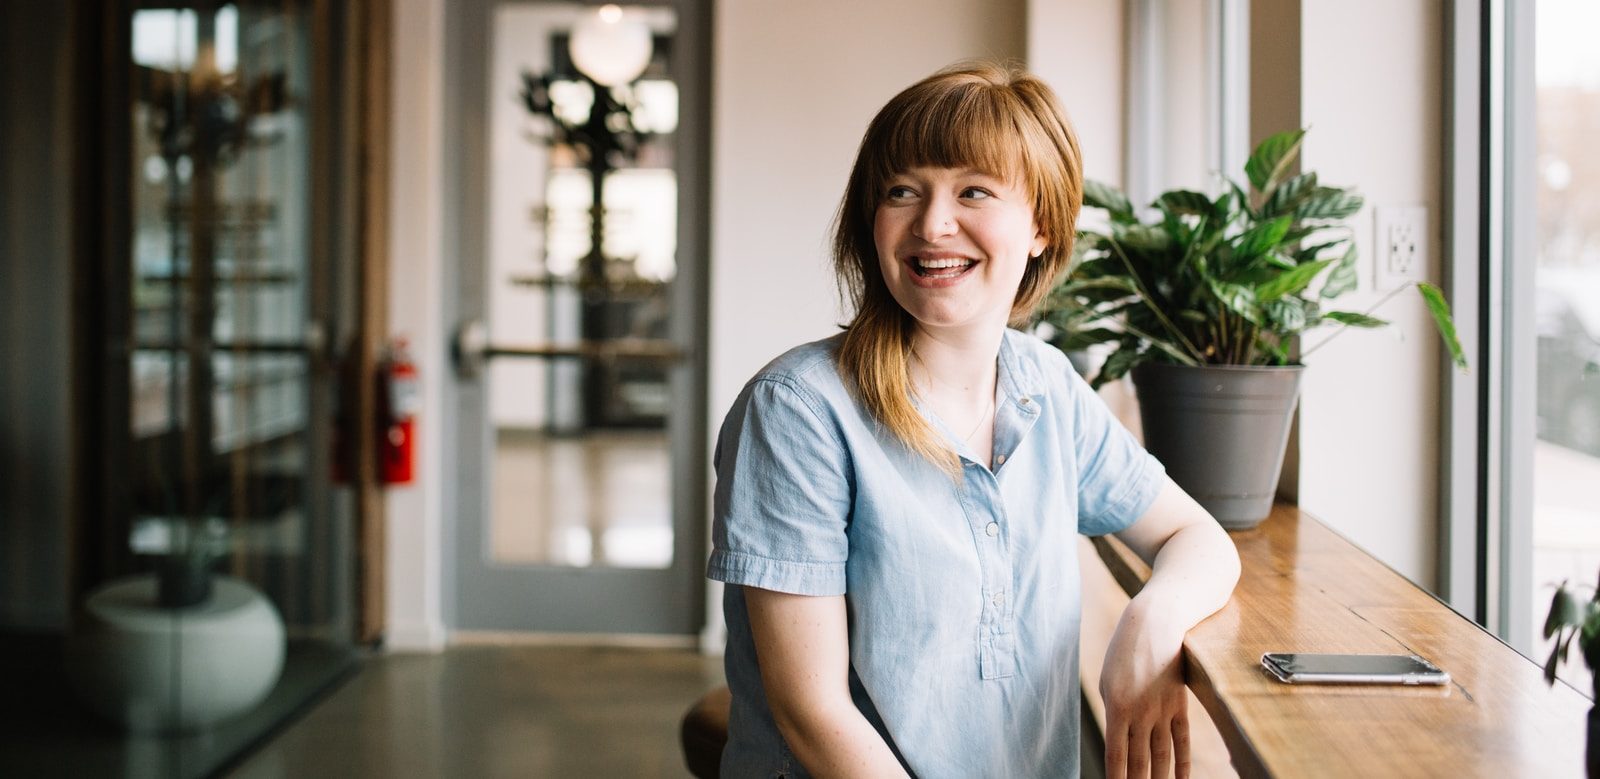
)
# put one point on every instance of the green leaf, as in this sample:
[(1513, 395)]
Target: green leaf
[(1310, 252), (1183, 201), (1587, 636), (1260, 239), (1143, 239), (1083, 339), (1118, 363), (1239, 299), (1440, 310), (1287, 314), (1099, 195), (1290, 195), (1176, 229), (1328, 203), (1564, 611), (1550, 665), (1279, 351), (1301, 232), (1343, 277), (1192, 315), (1272, 158), (1241, 199), (1074, 286), (1354, 320), (1226, 206), (1291, 282), (1279, 259)]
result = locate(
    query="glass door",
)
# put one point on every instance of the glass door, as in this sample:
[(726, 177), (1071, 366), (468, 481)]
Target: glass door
[(216, 555), (578, 378)]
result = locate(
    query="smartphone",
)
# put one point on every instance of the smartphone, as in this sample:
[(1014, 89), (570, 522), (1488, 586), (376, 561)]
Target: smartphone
[(1298, 668)]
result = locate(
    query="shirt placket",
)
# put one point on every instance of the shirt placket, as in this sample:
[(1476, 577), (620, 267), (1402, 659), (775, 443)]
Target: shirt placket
[(990, 526), (987, 522)]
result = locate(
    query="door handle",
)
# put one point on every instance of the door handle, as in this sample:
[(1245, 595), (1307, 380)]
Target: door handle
[(472, 350)]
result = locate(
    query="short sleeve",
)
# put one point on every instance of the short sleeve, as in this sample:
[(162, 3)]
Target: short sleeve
[(783, 494), (1117, 478)]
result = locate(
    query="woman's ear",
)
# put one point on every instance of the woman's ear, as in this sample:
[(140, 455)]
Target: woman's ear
[(1039, 245)]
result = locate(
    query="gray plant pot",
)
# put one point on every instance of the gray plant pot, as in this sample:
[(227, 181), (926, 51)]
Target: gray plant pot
[(1221, 432)]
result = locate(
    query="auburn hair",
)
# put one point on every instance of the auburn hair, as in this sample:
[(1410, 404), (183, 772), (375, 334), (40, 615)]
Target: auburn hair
[(1001, 121)]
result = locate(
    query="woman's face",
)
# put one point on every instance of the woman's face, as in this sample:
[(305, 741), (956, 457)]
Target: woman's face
[(953, 245)]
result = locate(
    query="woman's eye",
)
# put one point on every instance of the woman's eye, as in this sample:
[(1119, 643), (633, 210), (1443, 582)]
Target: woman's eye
[(895, 193), (975, 193)]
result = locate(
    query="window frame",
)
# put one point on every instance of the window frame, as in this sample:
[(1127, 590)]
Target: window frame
[(1488, 413)]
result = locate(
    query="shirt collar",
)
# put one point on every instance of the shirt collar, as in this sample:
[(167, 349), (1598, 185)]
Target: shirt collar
[(1018, 378)]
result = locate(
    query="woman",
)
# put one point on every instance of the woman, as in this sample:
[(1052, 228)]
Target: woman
[(896, 506)]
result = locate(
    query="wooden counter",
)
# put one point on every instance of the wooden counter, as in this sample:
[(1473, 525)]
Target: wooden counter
[(1304, 588)]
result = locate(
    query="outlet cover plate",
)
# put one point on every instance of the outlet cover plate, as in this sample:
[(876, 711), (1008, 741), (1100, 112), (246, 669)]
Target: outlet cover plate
[(1400, 246)]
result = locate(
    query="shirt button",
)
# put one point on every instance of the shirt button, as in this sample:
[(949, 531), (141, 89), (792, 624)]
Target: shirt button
[(993, 529), (1000, 459), (1026, 401), (999, 599)]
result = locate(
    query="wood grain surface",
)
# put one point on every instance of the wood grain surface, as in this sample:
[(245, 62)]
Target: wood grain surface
[(1304, 588)]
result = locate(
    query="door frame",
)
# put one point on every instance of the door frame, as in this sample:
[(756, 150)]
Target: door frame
[(467, 603)]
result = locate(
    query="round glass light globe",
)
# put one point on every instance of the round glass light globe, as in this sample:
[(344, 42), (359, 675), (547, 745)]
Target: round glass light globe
[(610, 48)]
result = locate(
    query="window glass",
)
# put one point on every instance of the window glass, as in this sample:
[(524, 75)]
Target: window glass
[(1566, 515)]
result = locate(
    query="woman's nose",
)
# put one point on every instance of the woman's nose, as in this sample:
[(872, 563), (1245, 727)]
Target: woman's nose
[(937, 220)]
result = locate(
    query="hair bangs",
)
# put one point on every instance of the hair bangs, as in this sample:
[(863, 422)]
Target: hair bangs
[(969, 124)]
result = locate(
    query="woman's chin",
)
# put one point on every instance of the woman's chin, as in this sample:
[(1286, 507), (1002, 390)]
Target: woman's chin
[(944, 320)]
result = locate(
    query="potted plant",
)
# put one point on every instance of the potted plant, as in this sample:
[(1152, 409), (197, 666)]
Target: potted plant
[(1202, 300), (1571, 619)]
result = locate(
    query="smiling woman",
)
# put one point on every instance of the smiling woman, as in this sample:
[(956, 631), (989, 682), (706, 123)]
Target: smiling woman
[(1015, 138), (896, 505)]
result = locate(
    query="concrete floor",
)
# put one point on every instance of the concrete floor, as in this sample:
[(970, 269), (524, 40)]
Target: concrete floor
[(492, 711)]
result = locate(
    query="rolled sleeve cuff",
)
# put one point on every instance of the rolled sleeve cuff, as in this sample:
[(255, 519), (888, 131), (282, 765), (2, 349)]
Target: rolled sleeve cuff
[(777, 575), (1140, 493)]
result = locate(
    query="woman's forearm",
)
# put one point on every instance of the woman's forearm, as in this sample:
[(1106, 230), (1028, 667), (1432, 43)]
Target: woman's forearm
[(838, 742), (1192, 576), (1194, 564), (804, 650)]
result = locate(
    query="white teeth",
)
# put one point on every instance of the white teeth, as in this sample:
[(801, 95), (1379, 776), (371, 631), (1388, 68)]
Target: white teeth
[(954, 262)]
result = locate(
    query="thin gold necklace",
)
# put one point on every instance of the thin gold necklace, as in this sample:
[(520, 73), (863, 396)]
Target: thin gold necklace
[(984, 417)]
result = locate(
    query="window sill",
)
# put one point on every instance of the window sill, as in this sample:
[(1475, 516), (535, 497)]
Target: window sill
[(1304, 588)]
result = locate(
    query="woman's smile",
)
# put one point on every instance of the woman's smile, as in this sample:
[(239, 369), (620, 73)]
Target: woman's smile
[(953, 244), (939, 269)]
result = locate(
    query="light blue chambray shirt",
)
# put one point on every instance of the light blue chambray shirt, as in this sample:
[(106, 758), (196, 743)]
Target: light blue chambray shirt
[(963, 598)]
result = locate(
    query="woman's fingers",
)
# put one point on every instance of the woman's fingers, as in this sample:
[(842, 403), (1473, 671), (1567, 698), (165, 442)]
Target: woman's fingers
[(1135, 750), (1180, 742), (1160, 753), (1139, 753), (1116, 749)]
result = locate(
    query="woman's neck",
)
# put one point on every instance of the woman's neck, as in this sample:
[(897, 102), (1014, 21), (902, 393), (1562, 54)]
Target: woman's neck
[(956, 365)]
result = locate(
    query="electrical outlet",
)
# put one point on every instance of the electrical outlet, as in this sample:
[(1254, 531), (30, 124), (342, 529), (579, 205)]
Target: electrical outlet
[(1400, 244)]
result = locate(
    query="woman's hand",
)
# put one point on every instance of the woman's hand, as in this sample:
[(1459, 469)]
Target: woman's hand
[(1147, 704), (1193, 569)]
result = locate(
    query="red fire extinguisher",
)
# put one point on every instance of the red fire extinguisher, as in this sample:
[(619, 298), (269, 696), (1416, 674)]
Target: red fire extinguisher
[(402, 399)]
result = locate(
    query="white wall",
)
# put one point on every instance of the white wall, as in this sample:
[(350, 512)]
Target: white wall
[(1076, 46), (416, 273), (1369, 421), (794, 85)]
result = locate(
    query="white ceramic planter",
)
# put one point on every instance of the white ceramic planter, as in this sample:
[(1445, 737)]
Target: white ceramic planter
[(155, 669)]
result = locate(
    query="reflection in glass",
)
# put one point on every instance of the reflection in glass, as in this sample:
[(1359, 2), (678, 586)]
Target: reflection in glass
[(1566, 530), (221, 555), (580, 473)]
